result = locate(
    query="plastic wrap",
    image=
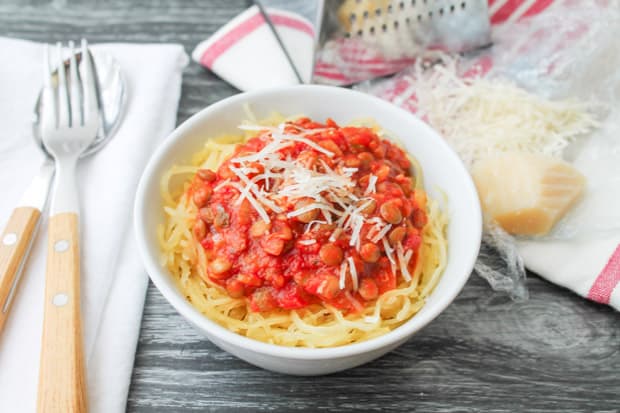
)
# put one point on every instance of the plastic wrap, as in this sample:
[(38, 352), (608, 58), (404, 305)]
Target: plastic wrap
[(569, 51), (506, 274)]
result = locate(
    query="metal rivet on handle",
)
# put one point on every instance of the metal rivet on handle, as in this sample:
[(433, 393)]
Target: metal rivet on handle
[(61, 246), (60, 299), (10, 238)]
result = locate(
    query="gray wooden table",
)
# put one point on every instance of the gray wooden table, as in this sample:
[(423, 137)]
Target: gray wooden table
[(555, 352)]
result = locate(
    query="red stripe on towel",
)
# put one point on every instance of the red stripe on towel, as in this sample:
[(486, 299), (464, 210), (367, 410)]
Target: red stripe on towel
[(607, 280), (283, 20), (221, 45), (511, 6)]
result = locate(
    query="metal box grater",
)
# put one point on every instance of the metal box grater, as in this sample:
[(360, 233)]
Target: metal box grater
[(358, 40)]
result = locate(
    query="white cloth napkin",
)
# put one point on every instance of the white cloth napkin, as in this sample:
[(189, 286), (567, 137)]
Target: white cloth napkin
[(591, 268), (113, 279)]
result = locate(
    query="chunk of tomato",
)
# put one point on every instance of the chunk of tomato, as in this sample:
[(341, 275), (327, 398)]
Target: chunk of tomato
[(385, 280), (291, 297)]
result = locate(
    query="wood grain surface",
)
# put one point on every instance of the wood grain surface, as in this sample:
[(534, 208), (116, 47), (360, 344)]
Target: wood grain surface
[(14, 244), (553, 353), (62, 380)]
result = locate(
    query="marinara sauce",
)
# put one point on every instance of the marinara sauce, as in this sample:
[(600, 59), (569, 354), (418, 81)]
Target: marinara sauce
[(291, 262)]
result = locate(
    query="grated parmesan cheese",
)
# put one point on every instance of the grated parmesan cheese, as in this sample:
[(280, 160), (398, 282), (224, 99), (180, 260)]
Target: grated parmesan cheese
[(307, 208), (356, 231), (353, 272), (307, 241), (295, 138), (388, 253), (221, 184), (486, 116), (257, 206), (372, 182), (402, 262), (311, 223), (382, 233), (334, 236), (343, 275)]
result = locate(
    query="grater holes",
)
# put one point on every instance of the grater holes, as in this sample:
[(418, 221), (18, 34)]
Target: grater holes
[(401, 5), (384, 27), (372, 30), (360, 32), (463, 5), (396, 24), (389, 8), (430, 14), (441, 12), (378, 12), (407, 20), (365, 15), (452, 8), (419, 17), (412, 3), (352, 17)]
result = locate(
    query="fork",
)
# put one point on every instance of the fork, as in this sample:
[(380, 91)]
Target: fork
[(69, 124)]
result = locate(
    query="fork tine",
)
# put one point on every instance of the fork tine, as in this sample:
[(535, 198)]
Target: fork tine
[(63, 92), (88, 85), (75, 92), (48, 99)]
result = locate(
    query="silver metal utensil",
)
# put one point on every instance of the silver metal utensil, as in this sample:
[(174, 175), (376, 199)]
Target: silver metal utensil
[(21, 229), (366, 39), (359, 40), (112, 94)]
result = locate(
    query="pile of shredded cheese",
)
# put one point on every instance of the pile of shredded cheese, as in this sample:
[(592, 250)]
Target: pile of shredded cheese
[(480, 117)]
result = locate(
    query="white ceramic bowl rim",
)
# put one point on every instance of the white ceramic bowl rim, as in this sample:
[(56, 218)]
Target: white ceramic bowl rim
[(170, 292)]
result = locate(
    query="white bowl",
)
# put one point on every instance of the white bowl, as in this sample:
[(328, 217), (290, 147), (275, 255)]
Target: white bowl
[(443, 174)]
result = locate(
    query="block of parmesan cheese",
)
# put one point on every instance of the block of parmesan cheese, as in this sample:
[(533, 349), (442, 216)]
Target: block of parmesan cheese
[(527, 194)]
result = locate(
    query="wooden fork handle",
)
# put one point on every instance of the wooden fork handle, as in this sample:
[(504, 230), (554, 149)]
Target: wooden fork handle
[(14, 245), (62, 382)]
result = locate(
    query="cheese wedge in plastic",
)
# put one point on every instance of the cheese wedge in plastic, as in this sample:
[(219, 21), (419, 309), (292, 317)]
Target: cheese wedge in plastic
[(526, 194)]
